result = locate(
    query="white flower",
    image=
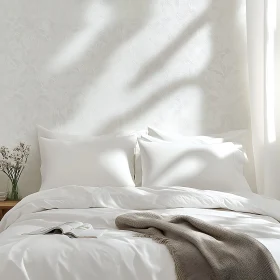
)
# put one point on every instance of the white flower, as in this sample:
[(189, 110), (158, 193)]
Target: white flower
[(13, 162)]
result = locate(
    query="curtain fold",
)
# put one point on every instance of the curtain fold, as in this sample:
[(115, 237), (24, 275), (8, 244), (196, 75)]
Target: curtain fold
[(263, 43)]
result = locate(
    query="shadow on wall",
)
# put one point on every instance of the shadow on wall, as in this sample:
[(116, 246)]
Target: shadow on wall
[(102, 66), (224, 65)]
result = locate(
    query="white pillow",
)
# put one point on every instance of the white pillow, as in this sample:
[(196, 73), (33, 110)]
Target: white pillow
[(235, 136), (197, 165), (241, 138), (191, 140), (46, 133), (50, 134), (92, 162), (159, 136)]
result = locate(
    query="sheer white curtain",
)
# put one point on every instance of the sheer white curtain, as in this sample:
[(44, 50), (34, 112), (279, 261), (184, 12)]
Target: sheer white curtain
[(263, 40)]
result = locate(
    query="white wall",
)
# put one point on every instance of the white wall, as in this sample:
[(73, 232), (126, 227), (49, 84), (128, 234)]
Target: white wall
[(96, 66)]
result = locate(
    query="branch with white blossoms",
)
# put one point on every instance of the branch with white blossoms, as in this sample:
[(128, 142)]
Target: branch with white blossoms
[(13, 162)]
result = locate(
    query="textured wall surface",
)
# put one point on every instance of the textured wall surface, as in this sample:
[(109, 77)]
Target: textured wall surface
[(99, 66)]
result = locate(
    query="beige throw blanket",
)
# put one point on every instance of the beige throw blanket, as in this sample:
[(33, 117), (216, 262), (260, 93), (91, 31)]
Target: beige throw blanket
[(202, 251)]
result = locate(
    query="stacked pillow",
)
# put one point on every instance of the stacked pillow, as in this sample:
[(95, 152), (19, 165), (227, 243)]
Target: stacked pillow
[(201, 162), (106, 160)]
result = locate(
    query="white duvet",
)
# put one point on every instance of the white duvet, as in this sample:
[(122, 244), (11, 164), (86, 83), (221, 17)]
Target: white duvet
[(118, 254)]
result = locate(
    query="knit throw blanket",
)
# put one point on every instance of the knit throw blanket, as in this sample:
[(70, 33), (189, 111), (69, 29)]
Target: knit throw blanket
[(202, 251)]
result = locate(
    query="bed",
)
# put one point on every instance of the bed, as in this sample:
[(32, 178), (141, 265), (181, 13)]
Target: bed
[(94, 180), (119, 254)]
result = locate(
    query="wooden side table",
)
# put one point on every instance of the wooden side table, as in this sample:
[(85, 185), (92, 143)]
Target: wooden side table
[(5, 206)]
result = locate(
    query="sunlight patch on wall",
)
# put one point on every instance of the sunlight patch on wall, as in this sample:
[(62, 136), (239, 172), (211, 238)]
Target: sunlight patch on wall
[(96, 17), (182, 112)]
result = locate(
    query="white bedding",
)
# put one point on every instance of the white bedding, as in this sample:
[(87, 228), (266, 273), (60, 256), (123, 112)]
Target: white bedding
[(117, 254)]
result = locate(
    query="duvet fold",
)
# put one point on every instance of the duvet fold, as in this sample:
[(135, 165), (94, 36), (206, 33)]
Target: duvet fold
[(144, 198)]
